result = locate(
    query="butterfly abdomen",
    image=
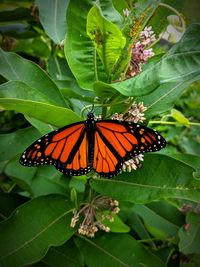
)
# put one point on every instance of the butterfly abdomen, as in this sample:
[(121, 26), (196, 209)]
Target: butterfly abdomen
[(90, 125)]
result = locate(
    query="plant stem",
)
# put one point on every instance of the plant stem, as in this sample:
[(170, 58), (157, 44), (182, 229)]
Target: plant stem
[(95, 65), (176, 12), (174, 123)]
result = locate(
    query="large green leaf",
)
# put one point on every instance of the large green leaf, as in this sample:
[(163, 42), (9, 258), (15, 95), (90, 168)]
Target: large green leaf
[(155, 180), (20, 90), (18, 96), (79, 49), (107, 38), (33, 228), (51, 114), (53, 18), (116, 250), (13, 67)]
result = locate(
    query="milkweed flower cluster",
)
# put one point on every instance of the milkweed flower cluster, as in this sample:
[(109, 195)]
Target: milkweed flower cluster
[(134, 114), (140, 52), (93, 214), (133, 164)]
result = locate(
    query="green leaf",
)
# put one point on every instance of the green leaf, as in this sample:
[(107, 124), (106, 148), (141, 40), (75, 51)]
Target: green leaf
[(67, 253), (37, 47), (37, 181), (120, 5), (116, 250), (79, 50), (20, 90), (18, 141), (78, 184), (28, 233), (167, 211), (53, 18), (117, 226), (9, 202), (178, 116), (20, 175), (176, 71), (155, 180), (106, 37), (190, 237), (104, 90), (158, 226), (191, 160), (16, 95), (42, 127), (64, 79), (135, 222), (48, 180), (58, 68), (57, 116), (14, 67), (110, 12)]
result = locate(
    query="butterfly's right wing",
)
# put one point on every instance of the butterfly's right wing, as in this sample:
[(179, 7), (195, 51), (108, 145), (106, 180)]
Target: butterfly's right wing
[(65, 148), (118, 141)]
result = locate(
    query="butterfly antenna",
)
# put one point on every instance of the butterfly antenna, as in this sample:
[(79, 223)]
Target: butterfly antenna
[(88, 108)]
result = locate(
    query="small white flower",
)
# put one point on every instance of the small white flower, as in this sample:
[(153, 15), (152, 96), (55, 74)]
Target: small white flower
[(126, 12)]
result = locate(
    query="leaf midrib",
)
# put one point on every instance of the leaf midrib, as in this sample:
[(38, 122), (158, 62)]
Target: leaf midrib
[(36, 236), (146, 185), (105, 252)]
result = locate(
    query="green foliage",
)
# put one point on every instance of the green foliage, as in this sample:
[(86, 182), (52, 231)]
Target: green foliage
[(50, 229), (107, 38), (152, 183), (57, 59), (53, 18), (189, 238), (109, 251)]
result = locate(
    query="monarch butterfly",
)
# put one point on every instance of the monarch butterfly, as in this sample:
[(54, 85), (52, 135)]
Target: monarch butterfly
[(101, 145)]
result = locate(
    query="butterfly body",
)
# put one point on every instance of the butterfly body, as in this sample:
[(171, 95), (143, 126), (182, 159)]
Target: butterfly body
[(102, 145)]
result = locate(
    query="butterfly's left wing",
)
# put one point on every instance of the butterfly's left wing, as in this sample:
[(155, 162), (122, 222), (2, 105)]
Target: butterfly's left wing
[(118, 141), (65, 148)]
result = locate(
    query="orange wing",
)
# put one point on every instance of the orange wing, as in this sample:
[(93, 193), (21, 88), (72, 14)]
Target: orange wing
[(66, 149), (118, 141)]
